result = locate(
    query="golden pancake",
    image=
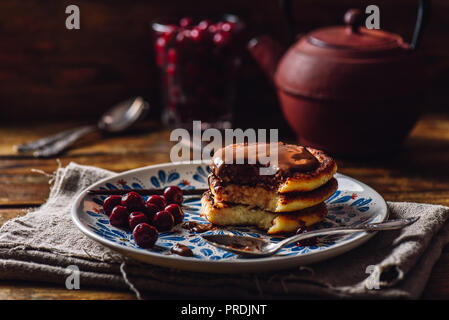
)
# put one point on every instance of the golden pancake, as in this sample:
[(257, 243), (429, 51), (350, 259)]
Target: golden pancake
[(311, 180), (297, 168), (223, 214), (270, 200)]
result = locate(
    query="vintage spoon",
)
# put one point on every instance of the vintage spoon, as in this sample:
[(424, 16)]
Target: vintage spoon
[(119, 118), (256, 247)]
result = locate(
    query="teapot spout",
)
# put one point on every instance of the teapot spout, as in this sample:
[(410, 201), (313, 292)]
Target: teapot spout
[(267, 53)]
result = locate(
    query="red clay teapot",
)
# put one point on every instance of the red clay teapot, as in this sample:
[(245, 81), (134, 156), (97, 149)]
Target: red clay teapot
[(348, 90)]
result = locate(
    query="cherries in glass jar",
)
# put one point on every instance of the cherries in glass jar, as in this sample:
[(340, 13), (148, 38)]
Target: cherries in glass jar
[(198, 60)]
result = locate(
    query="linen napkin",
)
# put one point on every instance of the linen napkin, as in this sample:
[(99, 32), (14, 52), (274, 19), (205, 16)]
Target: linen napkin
[(43, 244)]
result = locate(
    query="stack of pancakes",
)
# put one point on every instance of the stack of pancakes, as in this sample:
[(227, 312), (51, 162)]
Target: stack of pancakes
[(292, 196)]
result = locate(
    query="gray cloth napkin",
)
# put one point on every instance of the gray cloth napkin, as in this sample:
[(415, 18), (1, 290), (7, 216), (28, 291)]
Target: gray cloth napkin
[(42, 244)]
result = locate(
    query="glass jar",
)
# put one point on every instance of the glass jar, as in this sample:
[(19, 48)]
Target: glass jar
[(198, 62)]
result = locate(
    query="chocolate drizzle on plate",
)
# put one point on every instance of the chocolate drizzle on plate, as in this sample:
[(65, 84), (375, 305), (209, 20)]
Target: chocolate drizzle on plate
[(181, 250), (193, 226)]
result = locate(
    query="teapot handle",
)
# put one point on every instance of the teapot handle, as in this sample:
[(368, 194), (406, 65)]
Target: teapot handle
[(421, 20), (286, 7)]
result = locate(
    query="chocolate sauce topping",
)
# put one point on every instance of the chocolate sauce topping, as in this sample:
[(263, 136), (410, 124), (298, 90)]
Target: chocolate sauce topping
[(181, 250), (241, 162), (295, 159), (194, 226)]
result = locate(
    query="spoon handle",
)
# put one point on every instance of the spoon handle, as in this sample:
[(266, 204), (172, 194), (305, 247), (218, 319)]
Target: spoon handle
[(66, 141), (372, 227), (37, 144)]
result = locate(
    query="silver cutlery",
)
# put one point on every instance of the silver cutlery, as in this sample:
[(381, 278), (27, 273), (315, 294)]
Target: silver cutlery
[(256, 247), (119, 118)]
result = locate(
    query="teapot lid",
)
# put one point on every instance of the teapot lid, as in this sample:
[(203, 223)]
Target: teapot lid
[(354, 38)]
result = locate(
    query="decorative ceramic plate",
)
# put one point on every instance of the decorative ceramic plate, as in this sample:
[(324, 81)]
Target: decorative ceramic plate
[(353, 203)]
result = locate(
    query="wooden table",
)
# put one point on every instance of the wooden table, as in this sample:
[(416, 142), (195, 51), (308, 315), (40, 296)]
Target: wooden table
[(419, 173)]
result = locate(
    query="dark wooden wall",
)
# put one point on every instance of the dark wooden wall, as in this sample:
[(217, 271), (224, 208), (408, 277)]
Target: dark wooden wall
[(48, 71)]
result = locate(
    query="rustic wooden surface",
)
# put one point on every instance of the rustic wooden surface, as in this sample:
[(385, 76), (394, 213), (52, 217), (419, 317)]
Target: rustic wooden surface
[(418, 173)]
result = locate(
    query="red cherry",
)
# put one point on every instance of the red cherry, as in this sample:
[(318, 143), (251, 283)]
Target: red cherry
[(204, 24), (212, 28), (145, 235), (151, 210), (163, 220), (221, 39), (218, 25), (110, 203), (172, 56), (198, 35), (173, 194), (158, 201), (171, 70), (185, 22), (227, 26), (119, 217), (176, 211), (135, 218), (183, 37), (160, 44), (133, 201)]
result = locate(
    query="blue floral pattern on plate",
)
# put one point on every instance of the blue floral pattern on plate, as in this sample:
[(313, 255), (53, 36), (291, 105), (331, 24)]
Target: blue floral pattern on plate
[(345, 206)]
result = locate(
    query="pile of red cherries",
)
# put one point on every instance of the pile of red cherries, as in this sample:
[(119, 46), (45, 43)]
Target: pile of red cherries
[(145, 218), (198, 60)]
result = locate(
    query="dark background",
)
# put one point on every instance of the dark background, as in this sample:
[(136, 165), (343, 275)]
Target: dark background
[(49, 72)]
